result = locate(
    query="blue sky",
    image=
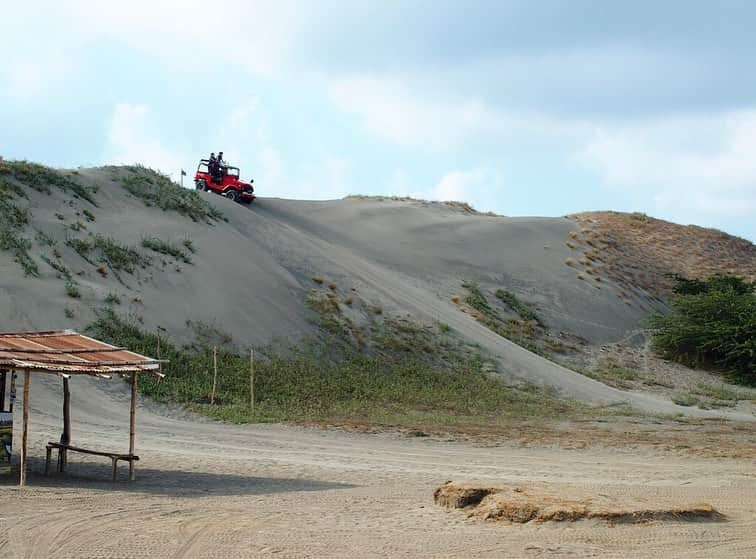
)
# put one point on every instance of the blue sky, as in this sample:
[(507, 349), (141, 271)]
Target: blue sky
[(523, 108)]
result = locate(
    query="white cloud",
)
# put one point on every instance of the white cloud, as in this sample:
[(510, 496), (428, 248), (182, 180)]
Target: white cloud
[(133, 138), (29, 77), (458, 185), (193, 33), (422, 116), (691, 167), (386, 108)]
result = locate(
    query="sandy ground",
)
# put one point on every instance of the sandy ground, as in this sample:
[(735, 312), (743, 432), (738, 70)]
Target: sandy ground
[(211, 490)]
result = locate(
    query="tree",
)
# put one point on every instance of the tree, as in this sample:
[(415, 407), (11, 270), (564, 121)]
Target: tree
[(712, 322)]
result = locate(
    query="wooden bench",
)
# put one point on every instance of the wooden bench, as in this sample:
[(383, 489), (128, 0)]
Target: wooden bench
[(64, 448)]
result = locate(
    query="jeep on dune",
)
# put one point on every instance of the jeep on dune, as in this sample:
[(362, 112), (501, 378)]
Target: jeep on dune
[(224, 181)]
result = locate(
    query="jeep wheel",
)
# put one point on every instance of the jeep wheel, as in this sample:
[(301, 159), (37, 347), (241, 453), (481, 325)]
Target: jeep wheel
[(232, 195), (200, 185)]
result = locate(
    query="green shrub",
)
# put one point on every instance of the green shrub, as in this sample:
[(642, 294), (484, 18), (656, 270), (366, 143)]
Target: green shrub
[(166, 247), (156, 189), (523, 309), (72, 289), (40, 178), (13, 221), (312, 384), (712, 322), (119, 257), (477, 300)]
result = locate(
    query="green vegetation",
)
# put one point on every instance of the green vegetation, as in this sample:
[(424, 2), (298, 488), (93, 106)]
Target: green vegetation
[(713, 322), (41, 178), (156, 189), (112, 299), (618, 377), (72, 289), (189, 245), (13, 222), (722, 392), (638, 217), (62, 271), (686, 400), (525, 329), (118, 257), (331, 383), (82, 247), (88, 215), (511, 301), (166, 247), (477, 300)]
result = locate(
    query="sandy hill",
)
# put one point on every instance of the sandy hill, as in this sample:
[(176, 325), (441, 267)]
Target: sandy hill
[(644, 254), (123, 237)]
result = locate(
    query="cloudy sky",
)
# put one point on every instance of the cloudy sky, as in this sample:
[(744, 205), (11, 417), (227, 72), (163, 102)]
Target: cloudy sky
[(523, 108)]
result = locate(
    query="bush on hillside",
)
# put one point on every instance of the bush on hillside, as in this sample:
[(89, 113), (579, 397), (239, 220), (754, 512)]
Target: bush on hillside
[(713, 322), (326, 383)]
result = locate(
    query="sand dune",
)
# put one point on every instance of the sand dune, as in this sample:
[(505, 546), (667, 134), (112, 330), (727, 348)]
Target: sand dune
[(250, 274)]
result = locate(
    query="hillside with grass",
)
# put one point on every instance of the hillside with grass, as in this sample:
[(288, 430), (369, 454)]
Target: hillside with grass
[(368, 307), (645, 254)]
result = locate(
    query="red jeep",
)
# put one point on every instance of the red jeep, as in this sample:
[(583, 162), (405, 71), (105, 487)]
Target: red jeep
[(225, 182)]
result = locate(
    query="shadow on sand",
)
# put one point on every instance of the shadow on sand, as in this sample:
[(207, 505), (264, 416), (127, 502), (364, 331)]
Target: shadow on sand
[(96, 476)]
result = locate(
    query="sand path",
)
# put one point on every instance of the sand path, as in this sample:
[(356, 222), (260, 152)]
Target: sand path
[(212, 490)]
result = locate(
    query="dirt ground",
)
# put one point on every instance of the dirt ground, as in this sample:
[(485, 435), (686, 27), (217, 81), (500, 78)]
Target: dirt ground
[(206, 489)]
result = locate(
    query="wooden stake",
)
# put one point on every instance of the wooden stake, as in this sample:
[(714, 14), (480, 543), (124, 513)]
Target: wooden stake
[(65, 437), (215, 374), (12, 391), (2, 390), (132, 424), (24, 433), (252, 379)]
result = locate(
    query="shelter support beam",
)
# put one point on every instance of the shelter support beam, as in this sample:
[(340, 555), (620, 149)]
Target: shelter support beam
[(132, 423), (65, 437), (3, 381), (24, 434)]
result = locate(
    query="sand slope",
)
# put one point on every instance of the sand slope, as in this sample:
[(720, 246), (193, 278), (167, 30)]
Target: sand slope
[(251, 274)]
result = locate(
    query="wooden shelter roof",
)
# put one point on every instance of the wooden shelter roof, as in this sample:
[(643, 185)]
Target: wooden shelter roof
[(71, 353)]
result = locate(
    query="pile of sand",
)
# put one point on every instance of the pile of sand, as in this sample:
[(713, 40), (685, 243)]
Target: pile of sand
[(540, 503)]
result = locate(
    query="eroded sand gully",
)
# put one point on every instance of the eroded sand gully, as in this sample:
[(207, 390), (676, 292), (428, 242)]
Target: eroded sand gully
[(205, 489)]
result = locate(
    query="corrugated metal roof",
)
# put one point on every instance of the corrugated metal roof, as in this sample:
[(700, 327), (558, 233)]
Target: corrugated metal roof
[(69, 352)]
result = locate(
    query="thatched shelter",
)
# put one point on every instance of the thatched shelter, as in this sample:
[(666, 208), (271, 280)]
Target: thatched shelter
[(65, 354)]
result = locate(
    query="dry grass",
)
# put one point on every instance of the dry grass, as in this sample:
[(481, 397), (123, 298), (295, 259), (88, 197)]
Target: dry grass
[(456, 299), (569, 261), (541, 503), (464, 207), (641, 252)]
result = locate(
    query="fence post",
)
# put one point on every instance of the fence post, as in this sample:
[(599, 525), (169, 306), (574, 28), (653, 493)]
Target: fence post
[(215, 374), (252, 379)]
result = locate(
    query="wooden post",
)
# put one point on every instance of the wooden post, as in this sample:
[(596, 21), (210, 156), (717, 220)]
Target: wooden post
[(3, 380), (65, 437), (132, 424), (215, 374), (24, 433), (252, 379), (12, 391)]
